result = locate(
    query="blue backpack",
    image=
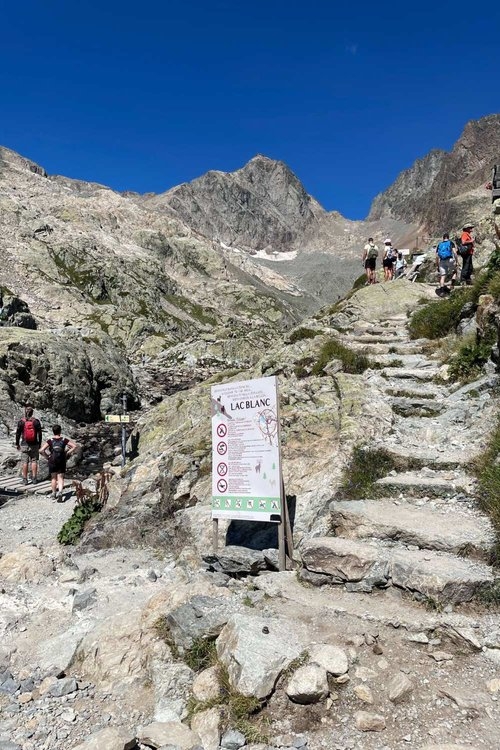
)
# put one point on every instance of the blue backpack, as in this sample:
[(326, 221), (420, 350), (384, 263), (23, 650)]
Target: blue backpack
[(444, 249)]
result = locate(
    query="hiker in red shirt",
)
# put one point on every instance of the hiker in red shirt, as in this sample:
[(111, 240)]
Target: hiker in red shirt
[(28, 441), (467, 251)]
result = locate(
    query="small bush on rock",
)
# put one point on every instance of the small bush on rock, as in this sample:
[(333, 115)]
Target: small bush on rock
[(352, 362), (469, 361), (303, 333), (438, 319), (72, 530)]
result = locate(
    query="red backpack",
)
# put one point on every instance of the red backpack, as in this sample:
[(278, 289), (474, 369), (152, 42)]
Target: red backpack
[(29, 431)]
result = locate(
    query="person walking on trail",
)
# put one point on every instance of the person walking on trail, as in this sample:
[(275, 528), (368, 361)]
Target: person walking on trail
[(446, 263), (370, 255), (467, 251), (400, 265), (388, 261), (56, 449), (28, 441)]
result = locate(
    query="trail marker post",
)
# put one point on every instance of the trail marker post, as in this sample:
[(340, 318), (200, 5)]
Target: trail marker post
[(124, 431), (247, 481)]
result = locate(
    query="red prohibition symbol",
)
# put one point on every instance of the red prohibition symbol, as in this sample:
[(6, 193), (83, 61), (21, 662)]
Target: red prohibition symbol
[(222, 469), (221, 430), (222, 485), (222, 448)]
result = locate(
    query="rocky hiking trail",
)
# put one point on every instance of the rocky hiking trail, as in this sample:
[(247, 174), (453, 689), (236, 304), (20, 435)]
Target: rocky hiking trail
[(378, 640)]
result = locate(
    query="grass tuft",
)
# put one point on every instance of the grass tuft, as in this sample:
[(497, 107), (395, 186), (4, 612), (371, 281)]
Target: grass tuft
[(201, 654), (303, 333), (490, 595), (237, 709), (437, 319), (467, 364), (365, 467), (352, 362), (487, 470)]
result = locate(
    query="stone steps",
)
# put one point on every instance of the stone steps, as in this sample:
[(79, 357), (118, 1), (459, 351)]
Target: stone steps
[(407, 373), (388, 339), (453, 531), (425, 457), (334, 604), (409, 407), (363, 566), (415, 484), (398, 350)]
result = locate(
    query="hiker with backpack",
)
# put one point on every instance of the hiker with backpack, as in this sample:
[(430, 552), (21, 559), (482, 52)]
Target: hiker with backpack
[(370, 255), (28, 441), (56, 449), (466, 252), (390, 255), (446, 263)]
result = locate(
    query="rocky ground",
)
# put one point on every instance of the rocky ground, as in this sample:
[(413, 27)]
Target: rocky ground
[(378, 639)]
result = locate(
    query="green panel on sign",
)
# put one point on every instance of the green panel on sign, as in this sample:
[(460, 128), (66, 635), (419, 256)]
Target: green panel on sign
[(247, 504)]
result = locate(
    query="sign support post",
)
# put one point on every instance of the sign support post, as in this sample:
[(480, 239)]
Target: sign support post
[(215, 535), (124, 432)]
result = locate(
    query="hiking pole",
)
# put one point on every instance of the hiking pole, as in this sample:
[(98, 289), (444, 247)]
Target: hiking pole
[(124, 433)]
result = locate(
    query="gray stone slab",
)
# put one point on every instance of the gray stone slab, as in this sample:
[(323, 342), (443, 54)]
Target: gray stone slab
[(438, 484), (455, 532), (436, 575)]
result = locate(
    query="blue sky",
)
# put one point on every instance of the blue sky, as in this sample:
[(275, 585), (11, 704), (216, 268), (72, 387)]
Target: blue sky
[(144, 96)]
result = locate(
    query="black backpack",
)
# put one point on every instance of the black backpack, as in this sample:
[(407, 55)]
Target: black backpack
[(57, 447)]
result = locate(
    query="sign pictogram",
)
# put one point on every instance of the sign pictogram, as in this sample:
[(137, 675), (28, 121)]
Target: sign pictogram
[(221, 430), (222, 448), (222, 485), (222, 469)]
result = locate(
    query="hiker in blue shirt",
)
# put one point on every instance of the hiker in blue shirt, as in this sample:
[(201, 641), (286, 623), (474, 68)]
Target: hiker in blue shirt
[(446, 263)]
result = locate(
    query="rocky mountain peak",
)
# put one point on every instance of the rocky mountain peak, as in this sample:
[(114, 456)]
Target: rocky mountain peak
[(404, 196), (11, 160), (262, 206), (440, 189)]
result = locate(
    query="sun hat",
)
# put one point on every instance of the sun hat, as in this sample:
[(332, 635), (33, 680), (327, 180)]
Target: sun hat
[(387, 242), (468, 225)]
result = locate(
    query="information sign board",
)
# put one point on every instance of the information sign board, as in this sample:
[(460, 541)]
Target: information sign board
[(246, 464), (117, 418)]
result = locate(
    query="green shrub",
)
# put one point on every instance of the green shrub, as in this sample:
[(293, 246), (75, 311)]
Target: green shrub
[(352, 362), (490, 594), (360, 282), (72, 530), (469, 361), (487, 470), (303, 333), (437, 319), (302, 367), (493, 287)]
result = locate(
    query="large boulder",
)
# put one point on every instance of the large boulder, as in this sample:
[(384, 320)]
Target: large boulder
[(174, 733), (255, 652), (200, 617), (26, 563), (62, 373), (110, 738)]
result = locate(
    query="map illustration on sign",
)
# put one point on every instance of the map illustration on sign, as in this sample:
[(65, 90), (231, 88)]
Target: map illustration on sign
[(268, 425), (246, 466)]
